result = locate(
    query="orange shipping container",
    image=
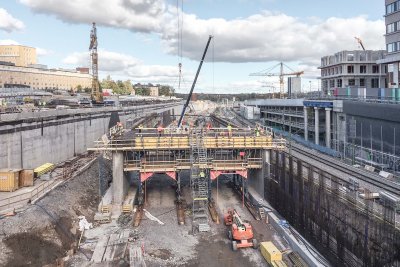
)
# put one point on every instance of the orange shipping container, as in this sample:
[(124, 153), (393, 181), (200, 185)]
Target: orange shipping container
[(26, 178), (9, 180)]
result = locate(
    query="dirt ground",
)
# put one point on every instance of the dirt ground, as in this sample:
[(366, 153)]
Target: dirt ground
[(46, 230), (178, 247), (42, 233)]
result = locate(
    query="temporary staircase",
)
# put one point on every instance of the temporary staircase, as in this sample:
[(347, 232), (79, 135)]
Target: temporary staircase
[(199, 182)]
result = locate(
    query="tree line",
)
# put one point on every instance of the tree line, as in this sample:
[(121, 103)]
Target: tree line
[(126, 87)]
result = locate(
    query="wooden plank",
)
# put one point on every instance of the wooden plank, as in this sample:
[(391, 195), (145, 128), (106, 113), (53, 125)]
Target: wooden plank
[(100, 248), (119, 249), (110, 249)]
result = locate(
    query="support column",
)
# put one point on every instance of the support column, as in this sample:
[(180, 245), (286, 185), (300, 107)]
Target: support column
[(396, 75), (328, 127), (120, 184), (316, 124), (305, 123)]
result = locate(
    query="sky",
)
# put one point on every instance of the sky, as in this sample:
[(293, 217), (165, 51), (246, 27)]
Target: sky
[(140, 40)]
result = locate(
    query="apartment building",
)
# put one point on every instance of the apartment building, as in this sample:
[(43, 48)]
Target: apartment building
[(353, 69), (392, 38)]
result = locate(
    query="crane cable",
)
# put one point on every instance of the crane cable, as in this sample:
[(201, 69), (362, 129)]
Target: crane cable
[(179, 42)]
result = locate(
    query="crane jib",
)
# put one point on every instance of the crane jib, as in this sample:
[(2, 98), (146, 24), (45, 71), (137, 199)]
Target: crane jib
[(194, 83)]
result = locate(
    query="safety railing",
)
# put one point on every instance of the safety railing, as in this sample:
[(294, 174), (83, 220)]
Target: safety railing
[(213, 138), (19, 200)]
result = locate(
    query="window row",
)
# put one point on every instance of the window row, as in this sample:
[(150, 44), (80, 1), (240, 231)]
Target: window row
[(350, 69), (393, 47), (362, 82), (393, 27), (393, 7)]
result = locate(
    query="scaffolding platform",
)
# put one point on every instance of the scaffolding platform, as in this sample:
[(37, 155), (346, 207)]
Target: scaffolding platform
[(175, 140)]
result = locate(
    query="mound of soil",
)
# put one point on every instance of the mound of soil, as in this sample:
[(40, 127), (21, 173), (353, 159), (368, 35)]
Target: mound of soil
[(30, 249)]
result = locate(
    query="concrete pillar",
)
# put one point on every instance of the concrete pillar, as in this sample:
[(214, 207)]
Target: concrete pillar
[(305, 123), (328, 127), (120, 184), (316, 124), (396, 74)]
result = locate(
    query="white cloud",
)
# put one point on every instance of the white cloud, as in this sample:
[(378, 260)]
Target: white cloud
[(273, 37), (124, 65), (41, 52), (136, 15), (8, 23), (8, 42), (266, 36)]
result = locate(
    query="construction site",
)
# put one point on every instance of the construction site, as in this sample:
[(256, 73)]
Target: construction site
[(188, 183)]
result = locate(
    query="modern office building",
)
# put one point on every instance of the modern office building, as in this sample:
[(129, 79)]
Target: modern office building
[(353, 69), (20, 55), (392, 38), (366, 131)]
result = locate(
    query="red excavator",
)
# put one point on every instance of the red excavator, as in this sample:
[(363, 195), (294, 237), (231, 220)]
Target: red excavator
[(240, 233)]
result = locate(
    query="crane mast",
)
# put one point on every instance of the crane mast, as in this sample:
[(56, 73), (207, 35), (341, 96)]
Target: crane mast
[(96, 95)]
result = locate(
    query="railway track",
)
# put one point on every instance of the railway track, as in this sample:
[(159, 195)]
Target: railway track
[(359, 174)]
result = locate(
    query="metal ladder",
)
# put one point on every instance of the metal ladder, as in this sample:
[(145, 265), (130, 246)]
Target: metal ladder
[(199, 184)]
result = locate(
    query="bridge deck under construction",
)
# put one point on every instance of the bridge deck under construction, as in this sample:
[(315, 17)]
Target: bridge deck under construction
[(219, 138), (169, 151)]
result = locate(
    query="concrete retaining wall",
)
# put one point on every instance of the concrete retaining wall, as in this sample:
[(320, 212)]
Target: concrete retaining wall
[(31, 139)]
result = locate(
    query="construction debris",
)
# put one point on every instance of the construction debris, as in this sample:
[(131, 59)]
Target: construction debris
[(84, 224), (151, 217)]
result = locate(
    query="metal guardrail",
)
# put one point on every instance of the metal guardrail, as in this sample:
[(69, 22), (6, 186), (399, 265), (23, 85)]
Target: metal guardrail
[(23, 198)]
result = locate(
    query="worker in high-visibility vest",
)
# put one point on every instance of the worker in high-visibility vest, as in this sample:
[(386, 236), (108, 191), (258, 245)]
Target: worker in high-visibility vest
[(202, 174), (229, 130)]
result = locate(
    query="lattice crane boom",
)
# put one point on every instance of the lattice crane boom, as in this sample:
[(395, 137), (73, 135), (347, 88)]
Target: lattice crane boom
[(281, 75), (96, 94)]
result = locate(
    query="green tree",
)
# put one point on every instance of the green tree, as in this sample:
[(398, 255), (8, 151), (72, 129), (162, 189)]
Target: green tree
[(166, 90), (79, 88)]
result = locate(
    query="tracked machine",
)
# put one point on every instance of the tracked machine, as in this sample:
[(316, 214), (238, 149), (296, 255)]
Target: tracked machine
[(240, 233)]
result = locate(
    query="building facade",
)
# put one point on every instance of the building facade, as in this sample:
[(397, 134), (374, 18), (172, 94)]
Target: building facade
[(35, 78), (353, 69), (392, 39), (153, 91), (366, 132), (20, 55)]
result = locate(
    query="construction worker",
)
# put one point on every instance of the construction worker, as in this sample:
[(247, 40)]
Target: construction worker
[(257, 131), (229, 130), (208, 126), (160, 129), (140, 128), (202, 174)]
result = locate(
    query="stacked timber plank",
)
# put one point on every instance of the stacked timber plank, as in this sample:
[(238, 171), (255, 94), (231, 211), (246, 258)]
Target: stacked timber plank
[(111, 247)]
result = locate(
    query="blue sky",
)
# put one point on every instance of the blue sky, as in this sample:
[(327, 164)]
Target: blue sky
[(137, 38)]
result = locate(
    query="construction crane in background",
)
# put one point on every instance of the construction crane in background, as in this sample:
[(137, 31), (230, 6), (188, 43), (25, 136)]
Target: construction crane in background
[(360, 42), (96, 95), (281, 74)]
